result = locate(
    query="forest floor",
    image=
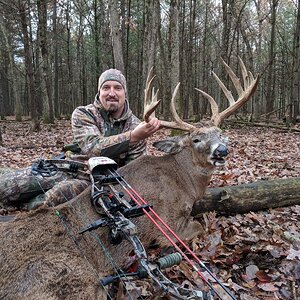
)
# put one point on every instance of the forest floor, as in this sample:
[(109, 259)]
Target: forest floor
[(256, 254)]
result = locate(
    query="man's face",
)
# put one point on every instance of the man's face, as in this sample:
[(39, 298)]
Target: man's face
[(112, 97)]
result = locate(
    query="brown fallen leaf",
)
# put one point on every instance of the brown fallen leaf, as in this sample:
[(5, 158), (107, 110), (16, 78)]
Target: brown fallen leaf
[(262, 276), (268, 287)]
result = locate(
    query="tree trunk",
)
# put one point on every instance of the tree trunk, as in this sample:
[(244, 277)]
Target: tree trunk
[(295, 80), (270, 94), (203, 82), (11, 78), (56, 75), (23, 9), (164, 88), (97, 30), (187, 58), (152, 11), (250, 197), (1, 140), (42, 13), (258, 100), (173, 46), (70, 62), (116, 35), (227, 18), (150, 35)]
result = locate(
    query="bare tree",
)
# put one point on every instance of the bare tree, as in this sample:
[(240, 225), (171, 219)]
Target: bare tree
[(150, 37), (29, 64), (47, 75), (10, 75), (228, 8), (55, 50), (294, 105), (270, 93), (173, 47), (205, 64), (187, 55), (116, 35)]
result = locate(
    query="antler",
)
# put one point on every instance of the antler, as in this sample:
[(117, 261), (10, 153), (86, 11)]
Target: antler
[(250, 85), (151, 103)]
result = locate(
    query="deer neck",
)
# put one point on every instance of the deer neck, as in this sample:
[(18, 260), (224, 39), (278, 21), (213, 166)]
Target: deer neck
[(195, 173)]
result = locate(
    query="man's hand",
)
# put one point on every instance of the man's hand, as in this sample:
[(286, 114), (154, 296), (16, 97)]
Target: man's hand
[(144, 130)]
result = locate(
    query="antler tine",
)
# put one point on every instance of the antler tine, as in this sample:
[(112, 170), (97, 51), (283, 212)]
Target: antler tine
[(245, 73), (235, 80), (150, 100), (224, 89), (214, 107), (250, 84), (241, 101), (178, 123), (173, 108)]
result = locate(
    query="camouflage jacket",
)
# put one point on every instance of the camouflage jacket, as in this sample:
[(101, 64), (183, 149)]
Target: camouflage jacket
[(97, 134)]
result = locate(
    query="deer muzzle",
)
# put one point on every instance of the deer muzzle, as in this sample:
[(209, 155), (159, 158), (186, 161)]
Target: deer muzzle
[(218, 155)]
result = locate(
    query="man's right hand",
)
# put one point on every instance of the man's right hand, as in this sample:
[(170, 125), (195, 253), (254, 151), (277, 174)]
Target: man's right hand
[(144, 130)]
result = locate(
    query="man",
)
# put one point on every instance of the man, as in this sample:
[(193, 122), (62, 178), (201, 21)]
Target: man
[(105, 128), (108, 127)]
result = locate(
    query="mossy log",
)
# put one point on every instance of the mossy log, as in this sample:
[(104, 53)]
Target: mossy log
[(255, 196)]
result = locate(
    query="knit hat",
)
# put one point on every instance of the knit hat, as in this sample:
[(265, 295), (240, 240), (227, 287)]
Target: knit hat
[(113, 75)]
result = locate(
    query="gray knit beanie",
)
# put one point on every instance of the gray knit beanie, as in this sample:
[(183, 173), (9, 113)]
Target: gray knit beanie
[(113, 75)]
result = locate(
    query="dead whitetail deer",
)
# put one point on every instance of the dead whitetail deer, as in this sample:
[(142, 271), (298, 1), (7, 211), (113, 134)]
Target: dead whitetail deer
[(40, 258), (174, 182)]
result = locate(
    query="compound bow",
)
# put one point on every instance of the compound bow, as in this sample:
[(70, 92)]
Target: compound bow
[(116, 213)]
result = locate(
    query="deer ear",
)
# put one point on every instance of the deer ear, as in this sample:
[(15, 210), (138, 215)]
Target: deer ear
[(169, 146)]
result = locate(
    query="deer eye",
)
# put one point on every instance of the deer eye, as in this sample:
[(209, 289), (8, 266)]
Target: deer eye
[(196, 141)]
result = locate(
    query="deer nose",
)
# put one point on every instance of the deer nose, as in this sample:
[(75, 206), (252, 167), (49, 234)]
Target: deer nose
[(221, 151)]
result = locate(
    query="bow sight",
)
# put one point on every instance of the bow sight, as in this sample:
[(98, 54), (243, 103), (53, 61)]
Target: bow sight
[(116, 212)]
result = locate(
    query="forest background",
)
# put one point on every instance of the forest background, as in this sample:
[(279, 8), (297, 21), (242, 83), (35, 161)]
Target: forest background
[(53, 51)]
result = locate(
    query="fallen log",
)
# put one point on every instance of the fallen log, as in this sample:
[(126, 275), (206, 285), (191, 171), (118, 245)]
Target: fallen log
[(255, 196)]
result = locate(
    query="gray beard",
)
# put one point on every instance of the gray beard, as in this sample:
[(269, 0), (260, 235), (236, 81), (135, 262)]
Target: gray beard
[(112, 109)]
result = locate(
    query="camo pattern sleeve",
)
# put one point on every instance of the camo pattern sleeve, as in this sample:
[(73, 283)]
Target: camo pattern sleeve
[(97, 135)]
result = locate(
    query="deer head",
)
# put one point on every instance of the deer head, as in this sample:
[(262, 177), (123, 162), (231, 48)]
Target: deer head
[(208, 145)]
